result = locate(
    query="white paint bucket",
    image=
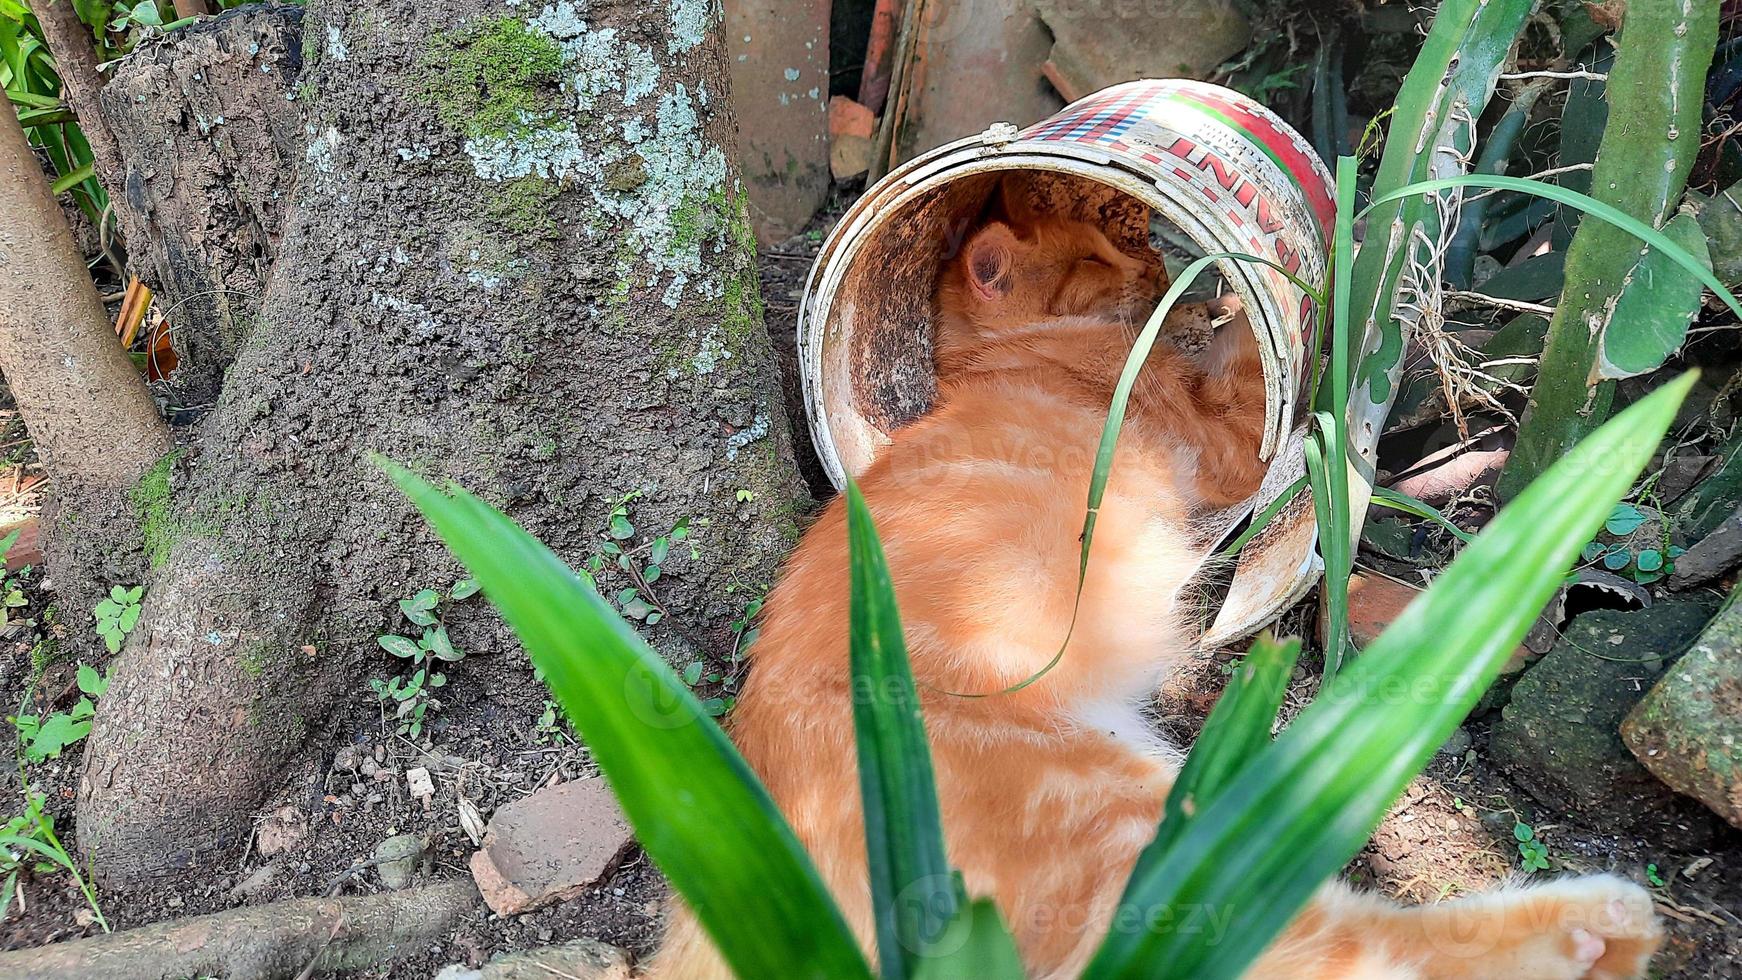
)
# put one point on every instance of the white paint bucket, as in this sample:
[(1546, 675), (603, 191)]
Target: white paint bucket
[(1221, 169)]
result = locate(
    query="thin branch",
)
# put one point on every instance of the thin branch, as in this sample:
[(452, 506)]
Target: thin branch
[(1464, 296), (1593, 76)]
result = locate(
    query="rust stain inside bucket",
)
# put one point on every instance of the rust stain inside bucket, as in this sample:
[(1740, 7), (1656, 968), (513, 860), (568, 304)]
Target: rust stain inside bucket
[(885, 299)]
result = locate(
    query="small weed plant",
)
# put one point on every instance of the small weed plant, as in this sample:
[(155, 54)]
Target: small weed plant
[(413, 695), (44, 737), (1532, 852), (637, 567), (117, 614)]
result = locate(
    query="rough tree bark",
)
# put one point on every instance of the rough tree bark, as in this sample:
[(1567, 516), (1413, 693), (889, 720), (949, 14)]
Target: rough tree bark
[(518, 257), (209, 129), (94, 424)]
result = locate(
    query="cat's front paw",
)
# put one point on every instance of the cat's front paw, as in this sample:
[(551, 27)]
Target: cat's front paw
[(1234, 348)]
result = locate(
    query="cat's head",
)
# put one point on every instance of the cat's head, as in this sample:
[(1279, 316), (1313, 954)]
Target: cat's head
[(1021, 267)]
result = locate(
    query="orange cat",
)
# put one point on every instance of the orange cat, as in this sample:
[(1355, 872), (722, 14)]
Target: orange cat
[(1048, 794)]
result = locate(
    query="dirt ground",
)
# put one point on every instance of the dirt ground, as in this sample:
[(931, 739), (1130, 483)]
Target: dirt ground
[(1451, 834)]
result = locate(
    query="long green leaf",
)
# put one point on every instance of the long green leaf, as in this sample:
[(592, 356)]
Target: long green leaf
[(1589, 205), (56, 855), (1302, 807), (1398, 501), (1328, 446), (1237, 729), (1262, 519), (913, 893), (695, 804), (68, 181)]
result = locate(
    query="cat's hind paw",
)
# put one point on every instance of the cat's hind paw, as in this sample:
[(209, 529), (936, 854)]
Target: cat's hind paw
[(1599, 927)]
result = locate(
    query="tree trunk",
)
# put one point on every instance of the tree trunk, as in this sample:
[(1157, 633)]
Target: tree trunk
[(209, 131), (75, 60), (94, 424), (519, 258)]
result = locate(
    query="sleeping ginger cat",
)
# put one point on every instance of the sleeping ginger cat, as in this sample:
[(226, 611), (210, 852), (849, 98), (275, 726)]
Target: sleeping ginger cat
[(1048, 794)]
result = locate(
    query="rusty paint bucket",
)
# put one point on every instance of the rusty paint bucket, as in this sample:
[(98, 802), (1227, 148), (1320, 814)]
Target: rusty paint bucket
[(1219, 172)]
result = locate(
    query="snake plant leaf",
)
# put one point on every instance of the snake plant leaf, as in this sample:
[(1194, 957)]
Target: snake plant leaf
[(1301, 807), (1656, 95), (1429, 136), (695, 804), (1536, 278), (1237, 729), (1721, 219), (913, 892), (1649, 320)]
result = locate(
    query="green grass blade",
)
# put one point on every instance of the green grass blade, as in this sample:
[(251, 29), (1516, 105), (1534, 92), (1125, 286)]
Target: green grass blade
[(1587, 204), (1403, 502), (695, 804), (1336, 583), (1262, 519), (37, 847), (1302, 807), (976, 946), (1115, 424), (1332, 506), (72, 179), (913, 893), (1237, 729)]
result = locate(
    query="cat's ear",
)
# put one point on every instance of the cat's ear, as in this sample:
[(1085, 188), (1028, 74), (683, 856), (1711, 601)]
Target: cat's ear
[(991, 259), (1013, 202)]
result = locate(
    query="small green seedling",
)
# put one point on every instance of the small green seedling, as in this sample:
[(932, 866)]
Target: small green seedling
[(32, 834), (11, 594), (1533, 854), (552, 727), (117, 615), (42, 738), (698, 674), (640, 564), (412, 694), (1652, 875)]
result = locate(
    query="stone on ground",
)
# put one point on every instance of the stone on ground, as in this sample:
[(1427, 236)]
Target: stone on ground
[(1560, 735), (397, 858), (550, 846), (1688, 729), (580, 959)]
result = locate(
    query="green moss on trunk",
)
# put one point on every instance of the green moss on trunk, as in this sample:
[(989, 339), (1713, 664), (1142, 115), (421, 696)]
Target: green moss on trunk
[(492, 77), (150, 498)]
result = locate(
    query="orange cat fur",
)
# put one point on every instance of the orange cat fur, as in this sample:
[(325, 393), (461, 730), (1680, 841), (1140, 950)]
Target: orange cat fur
[(1047, 794)]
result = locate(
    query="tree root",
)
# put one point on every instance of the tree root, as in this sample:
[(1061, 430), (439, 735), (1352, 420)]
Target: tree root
[(279, 941)]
